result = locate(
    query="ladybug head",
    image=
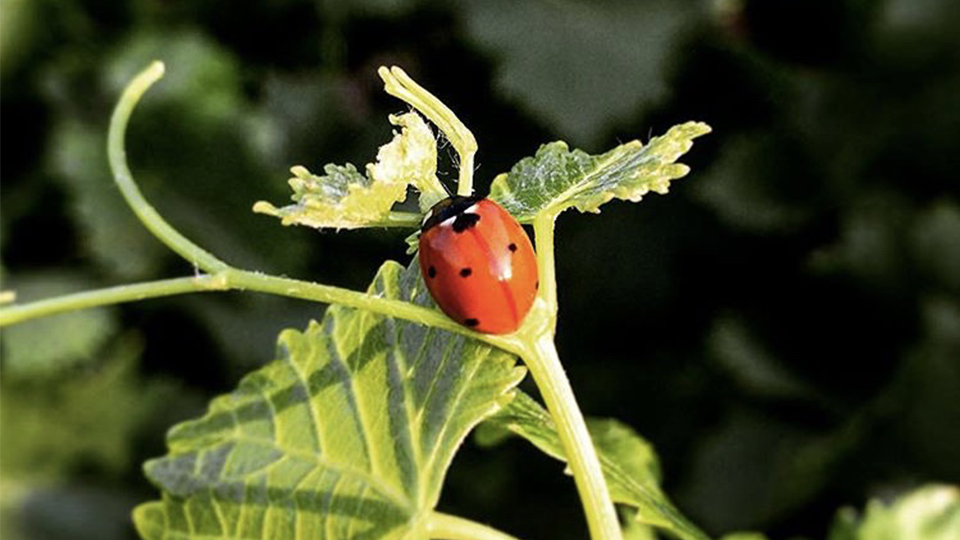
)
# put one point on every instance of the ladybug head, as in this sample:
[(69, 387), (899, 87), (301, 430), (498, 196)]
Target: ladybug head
[(450, 207)]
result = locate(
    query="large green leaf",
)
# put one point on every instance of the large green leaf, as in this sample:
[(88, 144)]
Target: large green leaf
[(557, 178), (629, 463), (348, 434)]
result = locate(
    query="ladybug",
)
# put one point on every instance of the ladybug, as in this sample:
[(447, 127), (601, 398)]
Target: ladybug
[(478, 264)]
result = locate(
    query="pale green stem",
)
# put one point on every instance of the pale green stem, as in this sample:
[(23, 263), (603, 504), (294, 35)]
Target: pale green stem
[(254, 281), (546, 268), (540, 356), (121, 173), (244, 280), (544, 364), (399, 85), (406, 220), (465, 180), (446, 527), (112, 295)]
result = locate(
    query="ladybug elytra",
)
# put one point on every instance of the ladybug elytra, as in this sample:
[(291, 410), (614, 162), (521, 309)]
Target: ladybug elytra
[(478, 264)]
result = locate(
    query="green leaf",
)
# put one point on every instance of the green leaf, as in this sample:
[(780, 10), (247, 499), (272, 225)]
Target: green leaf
[(628, 451), (756, 184), (580, 66), (410, 159), (50, 345), (53, 427), (556, 178), (21, 30), (343, 198), (413, 242), (870, 246), (633, 529), (934, 243), (739, 352), (348, 434), (929, 513), (629, 463)]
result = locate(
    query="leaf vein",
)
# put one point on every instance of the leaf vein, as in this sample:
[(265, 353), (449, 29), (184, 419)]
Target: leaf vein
[(342, 371), (320, 461), (312, 413), (453, 403)]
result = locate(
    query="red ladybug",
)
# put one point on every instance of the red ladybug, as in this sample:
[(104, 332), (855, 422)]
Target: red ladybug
[(478, 264)]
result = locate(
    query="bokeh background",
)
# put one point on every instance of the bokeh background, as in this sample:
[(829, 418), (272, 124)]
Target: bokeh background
[(784, 326)]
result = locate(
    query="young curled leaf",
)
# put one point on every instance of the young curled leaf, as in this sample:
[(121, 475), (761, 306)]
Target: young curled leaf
[(344, 198), (410, 159), (557, 178)]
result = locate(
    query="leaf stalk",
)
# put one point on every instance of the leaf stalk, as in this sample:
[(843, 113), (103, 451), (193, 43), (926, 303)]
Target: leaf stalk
[(543, 361), (546, 265)]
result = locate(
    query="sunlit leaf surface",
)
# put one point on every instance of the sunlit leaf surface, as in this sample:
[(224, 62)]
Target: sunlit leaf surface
[(348, 434), (557, 178)]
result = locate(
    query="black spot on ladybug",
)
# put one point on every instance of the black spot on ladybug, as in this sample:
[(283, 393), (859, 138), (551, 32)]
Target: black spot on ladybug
[(465, 221), (432, 272), (471, 322), (512, 247), (537, 285), (465, 272)]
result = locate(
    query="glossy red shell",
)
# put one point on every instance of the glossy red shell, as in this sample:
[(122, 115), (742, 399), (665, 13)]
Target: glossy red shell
[(479, 265)]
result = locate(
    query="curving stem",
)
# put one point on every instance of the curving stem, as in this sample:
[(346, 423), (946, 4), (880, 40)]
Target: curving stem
[(117, 155)]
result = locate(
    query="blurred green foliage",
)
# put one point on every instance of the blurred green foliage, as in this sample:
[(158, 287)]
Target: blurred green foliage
[(50, 345), (784, 327), (931, 513)]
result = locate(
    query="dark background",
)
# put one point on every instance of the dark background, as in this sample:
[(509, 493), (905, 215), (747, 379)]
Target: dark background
[(784, 326)]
